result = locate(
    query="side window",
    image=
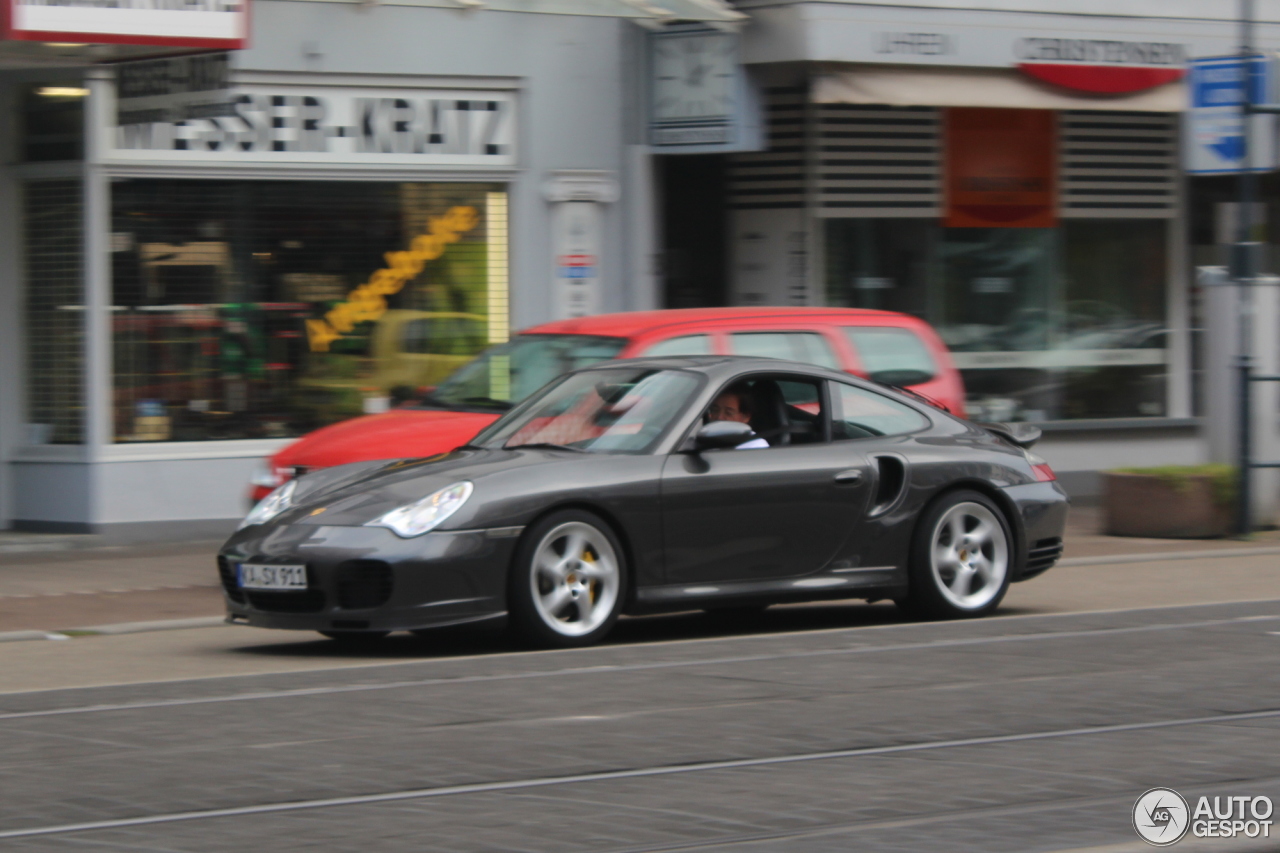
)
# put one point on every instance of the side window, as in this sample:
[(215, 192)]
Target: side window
[(781, 410), (809, 347), (684, 345), (861, 414), (892, 356)]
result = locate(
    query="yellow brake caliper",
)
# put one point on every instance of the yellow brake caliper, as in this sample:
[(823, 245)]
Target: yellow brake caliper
[(588, 556)]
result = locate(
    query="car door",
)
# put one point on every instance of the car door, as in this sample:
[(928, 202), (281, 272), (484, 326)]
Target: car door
[(771, 513)]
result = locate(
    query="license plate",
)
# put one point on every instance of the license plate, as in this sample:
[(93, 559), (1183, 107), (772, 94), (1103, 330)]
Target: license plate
[(251, 576)]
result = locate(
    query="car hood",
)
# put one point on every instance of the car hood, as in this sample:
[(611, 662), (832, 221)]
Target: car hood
[(399, 434), (351, 495)]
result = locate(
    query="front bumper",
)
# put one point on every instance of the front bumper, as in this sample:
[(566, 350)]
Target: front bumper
[(1043, 510), (369, 579)]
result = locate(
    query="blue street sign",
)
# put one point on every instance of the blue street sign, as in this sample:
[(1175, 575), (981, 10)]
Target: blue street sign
[(1215, 139)]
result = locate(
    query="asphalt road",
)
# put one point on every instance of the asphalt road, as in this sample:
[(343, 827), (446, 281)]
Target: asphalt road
[(837, 727)]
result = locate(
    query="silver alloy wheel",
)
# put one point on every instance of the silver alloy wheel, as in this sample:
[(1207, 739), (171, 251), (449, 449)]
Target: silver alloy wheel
[(969, 556), (575, 579)]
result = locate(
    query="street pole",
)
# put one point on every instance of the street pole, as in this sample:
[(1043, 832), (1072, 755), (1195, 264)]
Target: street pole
[(1243, 261)]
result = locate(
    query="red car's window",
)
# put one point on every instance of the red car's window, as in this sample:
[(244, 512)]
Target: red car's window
[(507, 373), (808, 347), (683, 345), (891, 355)]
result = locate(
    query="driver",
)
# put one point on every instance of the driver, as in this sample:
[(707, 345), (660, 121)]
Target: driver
[(734, 404)]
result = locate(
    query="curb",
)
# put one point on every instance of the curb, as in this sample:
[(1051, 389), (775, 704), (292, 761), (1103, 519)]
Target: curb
[(118, 628)]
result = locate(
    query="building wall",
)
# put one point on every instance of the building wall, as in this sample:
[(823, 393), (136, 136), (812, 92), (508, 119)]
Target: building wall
[(11, 355)]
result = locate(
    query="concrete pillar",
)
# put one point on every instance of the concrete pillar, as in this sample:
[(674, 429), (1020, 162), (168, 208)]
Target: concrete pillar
[(1221, 381)]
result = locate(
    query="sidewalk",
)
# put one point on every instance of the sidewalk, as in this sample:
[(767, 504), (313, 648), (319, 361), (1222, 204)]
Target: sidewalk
[(55, 585)]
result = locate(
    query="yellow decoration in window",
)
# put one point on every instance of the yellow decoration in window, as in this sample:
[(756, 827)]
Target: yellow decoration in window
[(368, 301)]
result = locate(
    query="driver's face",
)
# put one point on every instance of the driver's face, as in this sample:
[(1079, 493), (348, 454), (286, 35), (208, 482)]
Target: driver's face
[(727, 407)]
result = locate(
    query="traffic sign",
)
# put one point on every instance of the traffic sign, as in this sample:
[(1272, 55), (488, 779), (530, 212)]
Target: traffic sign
[(1215, 128)]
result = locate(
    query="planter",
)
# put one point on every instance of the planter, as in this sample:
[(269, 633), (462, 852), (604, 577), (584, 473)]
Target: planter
[(1168, 503)]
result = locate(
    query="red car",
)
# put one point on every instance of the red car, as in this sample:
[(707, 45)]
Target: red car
[(887, 347)]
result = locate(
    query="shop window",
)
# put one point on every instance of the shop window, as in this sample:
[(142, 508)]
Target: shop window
[(1044, 323), (54, 311), (53, 122), (247, 309)]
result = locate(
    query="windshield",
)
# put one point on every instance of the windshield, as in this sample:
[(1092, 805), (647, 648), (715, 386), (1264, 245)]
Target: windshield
[(625, 410), (505, 374)]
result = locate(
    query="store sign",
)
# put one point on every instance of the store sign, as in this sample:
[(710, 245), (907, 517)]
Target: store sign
[(1216, 129), (309, 125), (179, 88), (1000, 168), (1101, 66), (184, 23)]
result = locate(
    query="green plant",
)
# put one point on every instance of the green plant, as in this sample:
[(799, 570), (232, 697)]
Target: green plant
[(1222, 478)]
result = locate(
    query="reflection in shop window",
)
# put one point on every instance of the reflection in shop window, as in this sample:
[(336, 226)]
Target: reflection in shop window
[(246, 309), (1045, 323)]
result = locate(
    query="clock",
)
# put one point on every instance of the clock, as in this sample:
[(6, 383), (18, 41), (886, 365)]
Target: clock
[(694, 74)]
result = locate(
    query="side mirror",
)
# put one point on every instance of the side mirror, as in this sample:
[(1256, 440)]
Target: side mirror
[(718, 435)]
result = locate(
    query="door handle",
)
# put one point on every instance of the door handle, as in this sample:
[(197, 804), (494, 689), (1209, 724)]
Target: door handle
[(849, 478)]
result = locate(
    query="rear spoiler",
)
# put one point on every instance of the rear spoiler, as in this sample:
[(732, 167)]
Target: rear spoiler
[(1020, 434)]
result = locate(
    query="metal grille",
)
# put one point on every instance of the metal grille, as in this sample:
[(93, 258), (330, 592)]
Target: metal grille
[(227, 574), (363, 584), (877, 161), (1118, 165), (774, 179), (1042, 556), (54, 311)]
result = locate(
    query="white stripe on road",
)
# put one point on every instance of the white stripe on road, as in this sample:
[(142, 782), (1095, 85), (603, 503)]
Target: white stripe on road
[(635, 667), (636, 773)]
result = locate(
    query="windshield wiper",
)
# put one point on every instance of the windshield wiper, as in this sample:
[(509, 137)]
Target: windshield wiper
[(546, 445), (488, 401)]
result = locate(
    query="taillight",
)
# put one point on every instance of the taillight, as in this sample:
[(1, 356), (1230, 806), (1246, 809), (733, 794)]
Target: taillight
[(1043, 473)]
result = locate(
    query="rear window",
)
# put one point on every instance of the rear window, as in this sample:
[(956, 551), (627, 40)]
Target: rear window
[(808, 347), (892, 356)]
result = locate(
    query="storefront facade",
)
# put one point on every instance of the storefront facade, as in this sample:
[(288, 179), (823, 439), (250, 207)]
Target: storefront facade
[(1014, 177), (184, 297)]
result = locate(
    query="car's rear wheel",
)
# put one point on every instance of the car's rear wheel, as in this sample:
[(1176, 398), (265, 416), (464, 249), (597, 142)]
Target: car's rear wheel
[(961, 558), (567, 581)]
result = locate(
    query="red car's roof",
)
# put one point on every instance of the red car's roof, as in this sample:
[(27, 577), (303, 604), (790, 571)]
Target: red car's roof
[(626, 325)]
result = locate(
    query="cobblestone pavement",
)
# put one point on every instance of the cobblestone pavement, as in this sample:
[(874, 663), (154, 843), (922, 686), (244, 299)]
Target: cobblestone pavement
[(1018, 734)]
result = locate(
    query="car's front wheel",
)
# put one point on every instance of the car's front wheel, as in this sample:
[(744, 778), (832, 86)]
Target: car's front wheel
[(567, 581), (961, 557)]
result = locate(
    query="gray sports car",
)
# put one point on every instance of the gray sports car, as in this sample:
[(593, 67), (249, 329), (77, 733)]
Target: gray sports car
[(658, 484)]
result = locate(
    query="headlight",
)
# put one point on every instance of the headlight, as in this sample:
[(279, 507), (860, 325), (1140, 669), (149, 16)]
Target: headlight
[(427, 514), (271, 506)]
